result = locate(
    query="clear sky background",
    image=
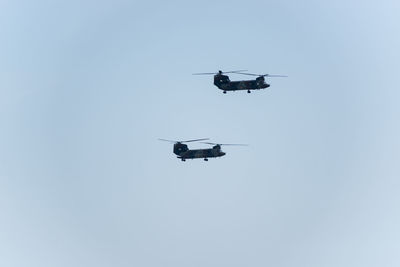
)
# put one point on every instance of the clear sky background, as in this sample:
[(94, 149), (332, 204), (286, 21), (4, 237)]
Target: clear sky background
[(87, 87)]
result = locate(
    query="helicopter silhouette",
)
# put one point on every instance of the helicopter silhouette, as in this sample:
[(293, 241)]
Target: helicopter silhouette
[(183, 152), (225, 84)]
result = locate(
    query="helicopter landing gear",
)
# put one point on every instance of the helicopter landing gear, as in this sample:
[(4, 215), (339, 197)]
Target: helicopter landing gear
[(224, 92), (206, 159), (183, 159), (248, 91)]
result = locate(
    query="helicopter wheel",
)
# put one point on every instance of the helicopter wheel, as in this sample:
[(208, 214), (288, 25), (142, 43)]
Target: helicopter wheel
[(224, 92), (248, 91), (183, 159), (205, 159)]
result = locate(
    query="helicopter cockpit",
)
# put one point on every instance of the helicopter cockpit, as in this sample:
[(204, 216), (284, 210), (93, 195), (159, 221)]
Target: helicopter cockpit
[(221, 79)]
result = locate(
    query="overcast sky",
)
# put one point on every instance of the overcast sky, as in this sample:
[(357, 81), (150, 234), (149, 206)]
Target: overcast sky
[(87, 88)]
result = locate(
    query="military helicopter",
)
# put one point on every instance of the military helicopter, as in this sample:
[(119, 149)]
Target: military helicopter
[(183, 152), (225, 84)]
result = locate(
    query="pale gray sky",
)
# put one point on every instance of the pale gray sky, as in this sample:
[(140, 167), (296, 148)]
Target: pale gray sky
[(87, 87)]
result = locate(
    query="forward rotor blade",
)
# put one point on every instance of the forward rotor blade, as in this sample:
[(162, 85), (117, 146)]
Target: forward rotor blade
[(233, 71), (171, 141), (187, 141), (194, 140), (213, 73)]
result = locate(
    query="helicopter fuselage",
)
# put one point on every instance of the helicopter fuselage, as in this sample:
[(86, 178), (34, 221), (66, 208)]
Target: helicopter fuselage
[(183, 153), (201, 154), (224, 83)]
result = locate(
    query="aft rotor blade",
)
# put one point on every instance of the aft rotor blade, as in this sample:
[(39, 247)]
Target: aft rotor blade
[(233, 144), (262, 75), (272, 75), (224, 144), (250, 74)]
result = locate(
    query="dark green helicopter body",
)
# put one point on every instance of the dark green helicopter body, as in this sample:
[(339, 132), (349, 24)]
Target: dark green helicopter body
[(225, 84), (184, 153)]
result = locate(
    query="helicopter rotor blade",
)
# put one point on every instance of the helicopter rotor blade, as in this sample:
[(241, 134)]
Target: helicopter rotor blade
[(235, 144), (233, 71), (250, 74), (194, 140), (261, 75), (187, 141), (209, 143), (171, 141), (219, 72), (272, 75)]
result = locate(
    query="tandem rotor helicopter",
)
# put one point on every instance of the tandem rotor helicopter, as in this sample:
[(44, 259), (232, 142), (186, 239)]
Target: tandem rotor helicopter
[(225, 84), (183, 152)]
